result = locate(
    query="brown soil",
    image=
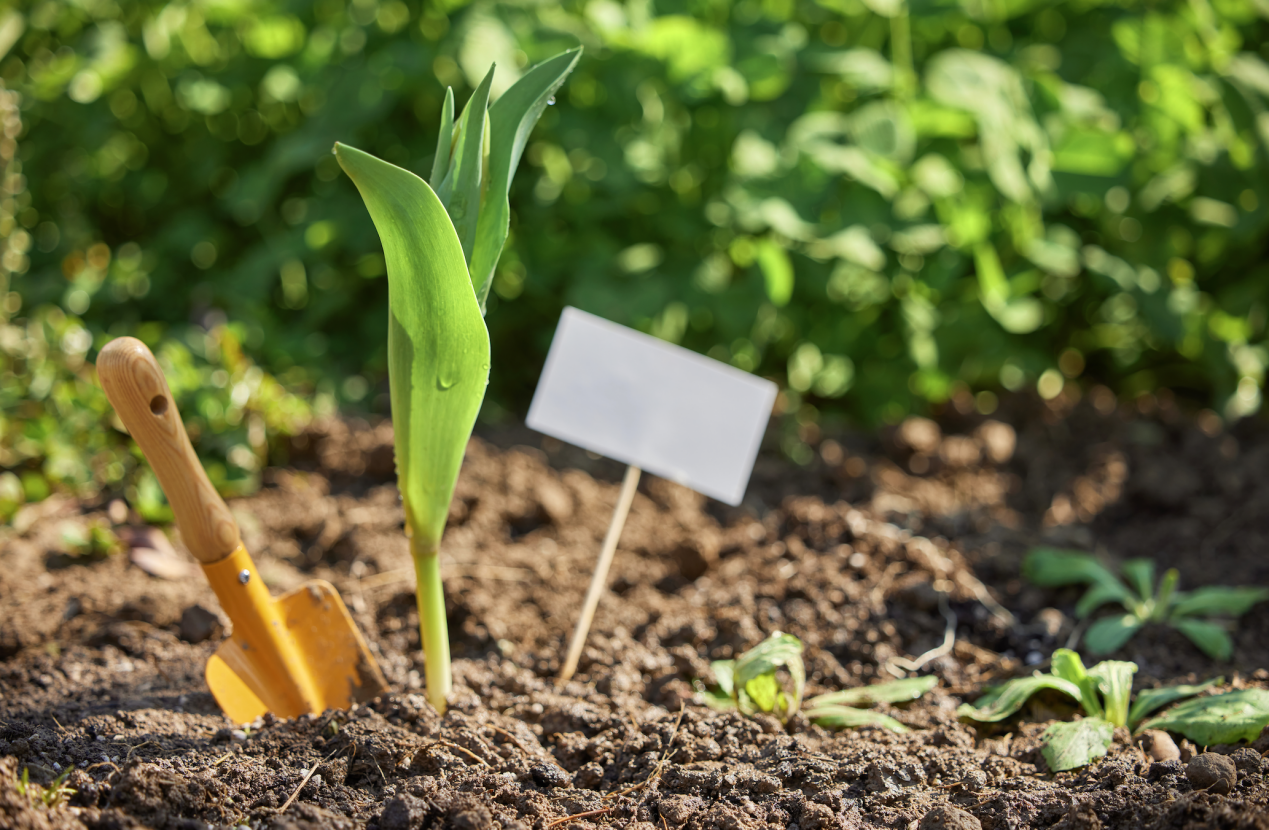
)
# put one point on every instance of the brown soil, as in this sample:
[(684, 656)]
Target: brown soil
[(101, 663)]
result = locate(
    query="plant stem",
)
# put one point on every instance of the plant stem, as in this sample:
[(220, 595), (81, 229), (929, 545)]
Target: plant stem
[(433, 627)]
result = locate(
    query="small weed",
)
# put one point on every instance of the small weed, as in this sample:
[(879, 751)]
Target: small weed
[(54, 795), (1135, 590), (754, 683), (1105, 694)]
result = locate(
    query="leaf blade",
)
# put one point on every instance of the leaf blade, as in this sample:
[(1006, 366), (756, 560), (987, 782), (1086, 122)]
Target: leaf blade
[(444, 141), (511, 118), (1109, 633), (1013, 696), (896, 691), (1215, 600), (1209, 635), (848, 717), (1150, 700), (466, 173), (1072, 744), (438, 346), (1219, 719)]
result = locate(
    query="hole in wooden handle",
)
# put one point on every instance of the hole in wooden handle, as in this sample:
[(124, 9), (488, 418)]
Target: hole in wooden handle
[(158, 404)]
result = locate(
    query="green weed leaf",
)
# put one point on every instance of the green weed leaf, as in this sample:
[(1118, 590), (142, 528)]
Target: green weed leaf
[(1072, 744), (846, 717), (1067, 665), (1139, 574), (755, 676), (1219, 719), (1109, 633), (1210, 636), (438, 348), (511, 120), (1150, 700), (724, 673), (1216, 600), (1012, 696), (896, 691), (1052, 567), (1114, 679)]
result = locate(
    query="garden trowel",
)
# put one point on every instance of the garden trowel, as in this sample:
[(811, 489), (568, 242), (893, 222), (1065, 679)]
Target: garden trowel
[(298, 653)]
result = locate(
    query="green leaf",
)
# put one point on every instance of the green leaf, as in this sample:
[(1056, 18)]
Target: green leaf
[(438, 348), (896, 691), (1115, 681), (1052, 567), (777, 271), (724, 673), (511, 120), (1099, 595), (461, 188), (1217, 600), (1209, 635), (1219, 719), (1068, 666), (1148, 700), (1013, 695), (1071, 744), (777, 651), (444, 141), (1139, 573), (845, 717), (1109, 633)]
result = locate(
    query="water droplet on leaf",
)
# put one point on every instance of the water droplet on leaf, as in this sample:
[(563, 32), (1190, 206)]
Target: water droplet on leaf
[(550, 102), (443, 383)]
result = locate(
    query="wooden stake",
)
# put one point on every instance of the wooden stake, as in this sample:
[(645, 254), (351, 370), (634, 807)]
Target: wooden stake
[(600, 577)]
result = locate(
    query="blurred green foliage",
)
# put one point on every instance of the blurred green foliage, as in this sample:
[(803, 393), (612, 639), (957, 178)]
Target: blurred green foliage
[(880, 203)]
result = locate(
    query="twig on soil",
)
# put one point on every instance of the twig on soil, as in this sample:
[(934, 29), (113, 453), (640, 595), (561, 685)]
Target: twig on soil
[(222, 759), (135, 748), (659, 768), (949, 642), (587, 814), (513, 738), (307, 776), (461, 749)]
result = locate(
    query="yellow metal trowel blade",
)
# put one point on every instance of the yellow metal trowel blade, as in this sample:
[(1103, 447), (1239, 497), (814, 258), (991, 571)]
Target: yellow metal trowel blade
[(300, 652), (324, 635)]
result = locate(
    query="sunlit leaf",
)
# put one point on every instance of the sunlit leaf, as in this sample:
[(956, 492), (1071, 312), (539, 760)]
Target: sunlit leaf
[(894, 691), (1150, 700), (1068, 745), (1220, 719), (438, 348), (1011, 697), (847, 717), (762, 661), (1115, 683)]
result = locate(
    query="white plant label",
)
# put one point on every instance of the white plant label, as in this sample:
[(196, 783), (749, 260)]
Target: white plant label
[(651, 404)]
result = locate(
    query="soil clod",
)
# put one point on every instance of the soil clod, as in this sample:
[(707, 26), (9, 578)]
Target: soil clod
[(1212, 772), (949, 818)]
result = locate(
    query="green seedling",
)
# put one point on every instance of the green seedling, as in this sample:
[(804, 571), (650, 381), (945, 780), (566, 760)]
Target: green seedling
[(441, 243), (1190, 612), (55, 794), (1104, 692), (753, 683), (97, 541)]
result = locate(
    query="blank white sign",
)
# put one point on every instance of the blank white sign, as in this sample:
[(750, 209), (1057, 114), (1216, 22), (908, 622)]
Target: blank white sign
[(660, 407)]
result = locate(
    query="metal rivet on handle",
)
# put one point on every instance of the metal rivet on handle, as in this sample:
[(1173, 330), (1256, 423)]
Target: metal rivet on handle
[(244, 576)]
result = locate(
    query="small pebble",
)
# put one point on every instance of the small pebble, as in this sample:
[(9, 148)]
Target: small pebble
[(1212, 772), (974, 780), (949, 818), (238, 735), (1159, 745)]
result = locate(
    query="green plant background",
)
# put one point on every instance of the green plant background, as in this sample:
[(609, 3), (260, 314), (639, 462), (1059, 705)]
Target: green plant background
[(880, 204)]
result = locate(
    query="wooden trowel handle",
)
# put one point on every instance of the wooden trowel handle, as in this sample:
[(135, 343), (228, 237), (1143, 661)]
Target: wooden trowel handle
[(135, 385)]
